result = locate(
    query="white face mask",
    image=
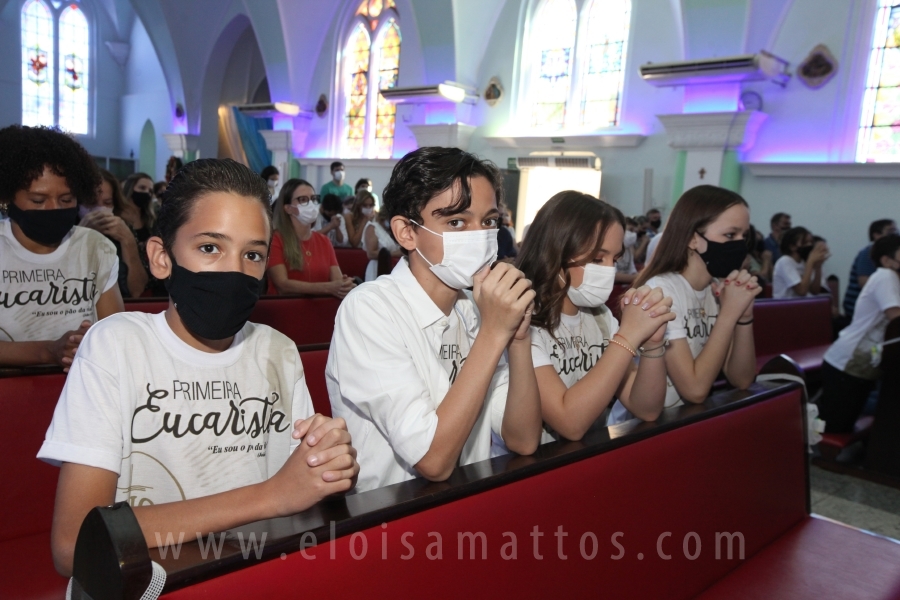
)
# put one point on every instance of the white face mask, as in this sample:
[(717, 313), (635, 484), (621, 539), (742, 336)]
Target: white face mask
[(630, 239), (465, 254), (368, 211), (307, 213), (595, 288), (272, 183), (339, 176)]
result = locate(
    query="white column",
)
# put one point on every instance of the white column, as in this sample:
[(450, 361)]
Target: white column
[(183, 145)]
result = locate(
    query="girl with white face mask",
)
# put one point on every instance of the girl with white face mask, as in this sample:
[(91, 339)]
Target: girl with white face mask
[(426, 373), (583, 358)]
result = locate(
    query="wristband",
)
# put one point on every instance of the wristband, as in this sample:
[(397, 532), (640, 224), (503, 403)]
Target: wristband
[(618, 343)]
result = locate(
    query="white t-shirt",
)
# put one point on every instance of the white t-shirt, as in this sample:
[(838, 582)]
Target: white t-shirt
[(386, 378), (788, 273), (575, 347), (852, 351), (45, 295), (695, 315), (625, 264), (651, 246), (174, 422), (321, 222), (384, 241), (455, 346)]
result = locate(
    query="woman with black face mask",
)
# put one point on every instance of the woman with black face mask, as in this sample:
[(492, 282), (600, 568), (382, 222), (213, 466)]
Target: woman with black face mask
[(57, 279), (698, 265), (213, 426), (139, 210), (798, 272)]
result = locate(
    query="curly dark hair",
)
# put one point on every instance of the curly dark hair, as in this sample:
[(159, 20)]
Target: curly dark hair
[(425, 173), (26, 151)]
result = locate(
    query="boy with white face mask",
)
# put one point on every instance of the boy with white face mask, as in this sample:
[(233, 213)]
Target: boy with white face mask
[(429, 375), (337, 185), (583, 357)]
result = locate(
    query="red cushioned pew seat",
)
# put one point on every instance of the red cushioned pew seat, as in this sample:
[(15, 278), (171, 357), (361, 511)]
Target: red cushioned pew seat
[(314, 370), (817, 558), (353, 261), (799, 327)]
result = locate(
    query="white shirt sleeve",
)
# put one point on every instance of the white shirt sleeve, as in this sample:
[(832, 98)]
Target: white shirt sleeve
[(540, 354), (301, 403), (675, 329), (377, 376), (87, 423), (113, 276), (887, 296), (785, 276)]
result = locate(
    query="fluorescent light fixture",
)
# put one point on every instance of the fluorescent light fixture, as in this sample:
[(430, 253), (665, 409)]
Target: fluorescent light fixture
[(271, 109), (449, 91)]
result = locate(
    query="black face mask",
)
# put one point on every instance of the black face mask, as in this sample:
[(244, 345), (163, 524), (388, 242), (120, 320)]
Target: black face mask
[(656, 223), (47, 227), (722, 258), (804, 251), (141, 199), (212, 304)]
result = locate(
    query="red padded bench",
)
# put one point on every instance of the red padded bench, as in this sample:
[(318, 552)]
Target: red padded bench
[(353, 261), (314, 370), (799, 327), (28, 488), (307, 321)]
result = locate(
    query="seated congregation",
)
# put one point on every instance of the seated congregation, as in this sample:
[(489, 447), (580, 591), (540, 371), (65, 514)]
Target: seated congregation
[(420, 380)]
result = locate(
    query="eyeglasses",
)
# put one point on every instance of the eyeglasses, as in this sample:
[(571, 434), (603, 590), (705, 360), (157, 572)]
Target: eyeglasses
[(304, 200)]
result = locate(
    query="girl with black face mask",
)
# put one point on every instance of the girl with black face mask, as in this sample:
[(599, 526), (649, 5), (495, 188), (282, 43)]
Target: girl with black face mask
[(139, 209), (58, 279), (798, 272), (192, 409), (698, 265)]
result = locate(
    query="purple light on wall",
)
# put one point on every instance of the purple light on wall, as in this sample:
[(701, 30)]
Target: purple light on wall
[(709, 97), (440, 113)]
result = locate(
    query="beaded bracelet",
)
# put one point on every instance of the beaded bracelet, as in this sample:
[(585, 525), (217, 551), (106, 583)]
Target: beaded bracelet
[(618, 343)]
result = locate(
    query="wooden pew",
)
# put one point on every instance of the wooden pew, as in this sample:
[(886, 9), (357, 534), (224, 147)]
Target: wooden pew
[(632, 511), (883, 453), (799, 327), (353, 261)]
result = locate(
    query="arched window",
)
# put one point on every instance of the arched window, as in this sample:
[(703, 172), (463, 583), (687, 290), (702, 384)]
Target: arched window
[(879, 131), (55, 36), (604, 66), (553, 32), (369, 67), (574, 65)]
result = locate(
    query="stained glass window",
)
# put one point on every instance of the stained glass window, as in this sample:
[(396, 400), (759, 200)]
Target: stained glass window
[(37, 64), (554, 35), (358, 89), (388, 72), (74, 52), (604, 65), (55, 65), (879, 132), (363, 135)]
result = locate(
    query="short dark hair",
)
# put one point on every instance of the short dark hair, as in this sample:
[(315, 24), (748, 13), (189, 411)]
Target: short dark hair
[(653, 210), (200, 177), (268, 172), (885, 246), (878, 226), (425, 173), (335, 165), (777, 217), (332, 203), (791, 237), (26, 151), (364, 181)]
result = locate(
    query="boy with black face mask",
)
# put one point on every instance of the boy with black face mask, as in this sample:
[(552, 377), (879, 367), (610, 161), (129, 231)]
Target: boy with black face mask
[(427, 374), (58, 279)]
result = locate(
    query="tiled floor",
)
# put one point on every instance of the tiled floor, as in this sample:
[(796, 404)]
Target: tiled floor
[(857, 502)]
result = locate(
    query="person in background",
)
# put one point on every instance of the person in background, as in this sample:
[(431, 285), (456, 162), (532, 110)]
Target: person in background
[(102, 214), (375, 238), (172, 167), (58, 279), (138, 208), (337, 186), (780, 224), (654, 222), (302, 261), (848, 372), (270, 176), (759, 260), (626, 272), (643, 240), (506, 244), (366, 184), (863, 266), (798, 272), (509, 221), (159, 188), (363, 211), (331, 222)]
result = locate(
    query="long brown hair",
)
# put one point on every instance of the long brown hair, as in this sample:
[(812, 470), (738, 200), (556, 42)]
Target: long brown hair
[(356, 216), (564, 228), (694, 211), (282, 223), (117, 197), (148, 215)]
